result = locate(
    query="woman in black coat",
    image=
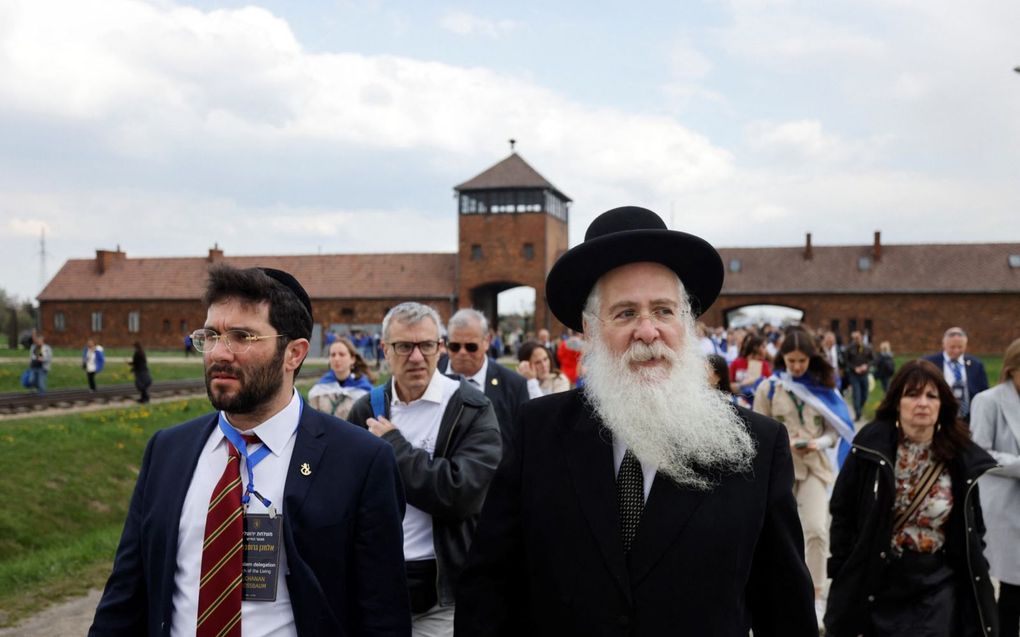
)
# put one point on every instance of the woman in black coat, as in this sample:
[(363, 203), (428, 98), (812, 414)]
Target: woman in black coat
[(140, 368), (903, 565)]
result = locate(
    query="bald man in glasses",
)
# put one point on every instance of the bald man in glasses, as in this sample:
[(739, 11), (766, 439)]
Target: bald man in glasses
[(468, 345), (447, 443)]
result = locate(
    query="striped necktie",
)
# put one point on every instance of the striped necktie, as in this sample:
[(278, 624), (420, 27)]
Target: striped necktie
[(219, 593), (961, 387)]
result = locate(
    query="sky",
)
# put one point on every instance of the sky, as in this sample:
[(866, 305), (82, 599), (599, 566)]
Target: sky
[(335, 126)]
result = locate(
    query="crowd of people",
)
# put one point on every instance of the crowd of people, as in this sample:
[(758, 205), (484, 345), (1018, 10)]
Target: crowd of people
[(631, 491)]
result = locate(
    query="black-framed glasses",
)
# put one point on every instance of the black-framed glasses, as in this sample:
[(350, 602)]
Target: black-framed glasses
[(454, 347), (404, 348), (236, 341)]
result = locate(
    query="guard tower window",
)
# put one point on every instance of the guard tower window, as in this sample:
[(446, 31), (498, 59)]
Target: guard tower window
[(528, 251), (476, 252)]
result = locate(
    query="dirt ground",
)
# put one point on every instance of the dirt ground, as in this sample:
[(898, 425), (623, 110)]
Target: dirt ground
[(69, 618)]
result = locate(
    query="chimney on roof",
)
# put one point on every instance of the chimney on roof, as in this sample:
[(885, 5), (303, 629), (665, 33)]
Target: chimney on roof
[(808, 253), (876, 250), (215, 254), (106, 258)]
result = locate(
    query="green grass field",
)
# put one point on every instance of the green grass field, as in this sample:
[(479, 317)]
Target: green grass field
[(116, 372)]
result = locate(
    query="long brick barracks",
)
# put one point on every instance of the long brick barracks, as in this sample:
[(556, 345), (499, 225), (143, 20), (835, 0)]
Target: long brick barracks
[(512, 227)]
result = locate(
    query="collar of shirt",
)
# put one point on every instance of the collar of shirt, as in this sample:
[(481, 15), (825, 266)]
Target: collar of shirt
[(274, 432), (947, 360), (437, 391), (479, 377)]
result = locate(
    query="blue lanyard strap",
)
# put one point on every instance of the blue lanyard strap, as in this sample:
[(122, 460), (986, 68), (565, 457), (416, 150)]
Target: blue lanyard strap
[(237, 440), (250, 460)]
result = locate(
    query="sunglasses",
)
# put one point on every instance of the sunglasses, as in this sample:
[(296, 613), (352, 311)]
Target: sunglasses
[(454, 347)]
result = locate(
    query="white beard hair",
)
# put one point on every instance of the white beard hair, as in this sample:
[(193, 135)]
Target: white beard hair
[(671, 419)]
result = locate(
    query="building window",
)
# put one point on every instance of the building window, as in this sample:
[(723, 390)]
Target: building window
[(1014, 260), (97, 321), (735, 265), (868, 328), (852, 325), (59, 321), (476, 252), (166, 326), (184, 326), (528, 251), (834, 326), (864, 264), (347, 312), (134, 321)]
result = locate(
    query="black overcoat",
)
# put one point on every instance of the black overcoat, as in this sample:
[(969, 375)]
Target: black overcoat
[(861, 532), (547, 558)]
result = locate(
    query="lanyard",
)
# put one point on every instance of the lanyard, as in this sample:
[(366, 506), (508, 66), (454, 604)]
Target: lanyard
[(237, 440)]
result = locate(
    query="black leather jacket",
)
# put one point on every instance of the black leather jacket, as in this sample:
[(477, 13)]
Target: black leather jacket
[(862, 518), (450, 486)]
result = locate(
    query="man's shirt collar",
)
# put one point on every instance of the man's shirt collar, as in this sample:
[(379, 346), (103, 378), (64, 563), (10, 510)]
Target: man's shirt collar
[(277, 430)]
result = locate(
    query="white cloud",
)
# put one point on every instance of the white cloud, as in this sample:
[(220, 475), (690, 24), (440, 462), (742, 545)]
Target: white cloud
[(463, 23), (806, 139), (27, 228)]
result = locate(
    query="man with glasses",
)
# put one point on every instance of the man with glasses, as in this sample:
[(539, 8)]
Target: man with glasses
[(644, 504), (447, 442), (267, 517), (468, 345), (965, 373)]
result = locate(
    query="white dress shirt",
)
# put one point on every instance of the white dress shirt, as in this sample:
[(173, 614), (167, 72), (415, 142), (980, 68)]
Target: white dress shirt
[(648, 472), (418, 421), (258, 619), (947, 370)]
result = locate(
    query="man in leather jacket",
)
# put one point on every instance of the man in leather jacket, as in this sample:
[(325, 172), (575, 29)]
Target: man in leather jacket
[(446, 440)]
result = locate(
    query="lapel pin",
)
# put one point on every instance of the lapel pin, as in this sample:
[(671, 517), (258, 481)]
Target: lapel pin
[(305, 469), (495, 381)]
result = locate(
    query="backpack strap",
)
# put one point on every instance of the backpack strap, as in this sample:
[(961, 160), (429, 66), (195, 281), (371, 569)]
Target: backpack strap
[(378, 399)]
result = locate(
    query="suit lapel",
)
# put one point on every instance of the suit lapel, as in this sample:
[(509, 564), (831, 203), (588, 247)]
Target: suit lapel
[(1009, 399), (666, 514), (308, 449), (590, 463), (175, 503)]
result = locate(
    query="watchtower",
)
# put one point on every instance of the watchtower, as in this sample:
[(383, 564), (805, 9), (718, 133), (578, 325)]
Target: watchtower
[(512, 228)]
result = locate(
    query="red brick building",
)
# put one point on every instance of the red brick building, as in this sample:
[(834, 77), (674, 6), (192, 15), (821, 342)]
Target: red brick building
[(512, 227), (905, 294)]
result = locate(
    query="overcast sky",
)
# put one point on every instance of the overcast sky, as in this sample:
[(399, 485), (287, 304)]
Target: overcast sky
[(284, 127)]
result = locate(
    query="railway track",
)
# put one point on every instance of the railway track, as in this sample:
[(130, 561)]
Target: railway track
[(28, 402)]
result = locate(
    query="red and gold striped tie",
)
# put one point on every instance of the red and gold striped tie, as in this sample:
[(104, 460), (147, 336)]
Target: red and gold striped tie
[(219, 593)]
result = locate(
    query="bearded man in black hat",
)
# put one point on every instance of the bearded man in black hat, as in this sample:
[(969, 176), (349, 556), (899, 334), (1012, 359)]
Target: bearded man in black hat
[(643, 504)]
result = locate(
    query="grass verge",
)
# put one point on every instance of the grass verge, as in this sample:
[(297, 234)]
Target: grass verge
[(67, 487), (116, 372)]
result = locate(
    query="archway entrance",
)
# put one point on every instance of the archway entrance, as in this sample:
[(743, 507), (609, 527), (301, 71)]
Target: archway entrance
[(761, 313)]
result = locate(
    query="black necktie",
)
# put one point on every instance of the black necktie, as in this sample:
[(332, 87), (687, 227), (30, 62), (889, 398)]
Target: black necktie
[(630, 497)]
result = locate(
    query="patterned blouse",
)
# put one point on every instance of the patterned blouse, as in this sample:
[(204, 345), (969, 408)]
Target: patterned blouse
[(924, 532)]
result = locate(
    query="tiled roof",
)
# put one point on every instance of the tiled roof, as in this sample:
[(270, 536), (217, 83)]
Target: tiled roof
[(327, 276), (512, 172), (980, 267)]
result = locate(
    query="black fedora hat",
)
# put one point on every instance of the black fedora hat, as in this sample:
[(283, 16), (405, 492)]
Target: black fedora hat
[(630, 235)]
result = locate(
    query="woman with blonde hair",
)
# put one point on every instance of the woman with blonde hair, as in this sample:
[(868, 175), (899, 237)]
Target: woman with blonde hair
[(995, 424), (347, 380)]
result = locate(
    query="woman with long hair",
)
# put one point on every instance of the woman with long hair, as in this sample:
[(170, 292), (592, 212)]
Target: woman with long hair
[(347, 380), (536, 365), (802, 395), (907, 532), (995, 422)]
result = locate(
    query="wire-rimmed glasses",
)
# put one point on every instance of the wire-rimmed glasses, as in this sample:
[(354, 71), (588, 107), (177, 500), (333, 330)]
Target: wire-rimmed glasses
[(236, 341)]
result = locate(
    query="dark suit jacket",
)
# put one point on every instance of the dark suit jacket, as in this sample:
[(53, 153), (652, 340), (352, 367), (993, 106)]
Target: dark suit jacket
[(506, 390), (547, 558), (342, 533), (977, 377)]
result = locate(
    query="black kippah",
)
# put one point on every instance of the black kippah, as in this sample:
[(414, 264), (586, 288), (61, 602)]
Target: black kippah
[(291, 284)]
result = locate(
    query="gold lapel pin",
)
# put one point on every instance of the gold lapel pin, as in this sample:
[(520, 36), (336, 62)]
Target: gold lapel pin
[(305, 469), (495, 381)]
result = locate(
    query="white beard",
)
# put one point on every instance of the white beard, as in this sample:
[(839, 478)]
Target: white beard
[(669, 418)]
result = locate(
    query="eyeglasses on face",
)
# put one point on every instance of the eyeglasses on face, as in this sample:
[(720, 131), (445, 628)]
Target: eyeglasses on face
[(629, 317), (404, 348), (236, 341), (454, 347)]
